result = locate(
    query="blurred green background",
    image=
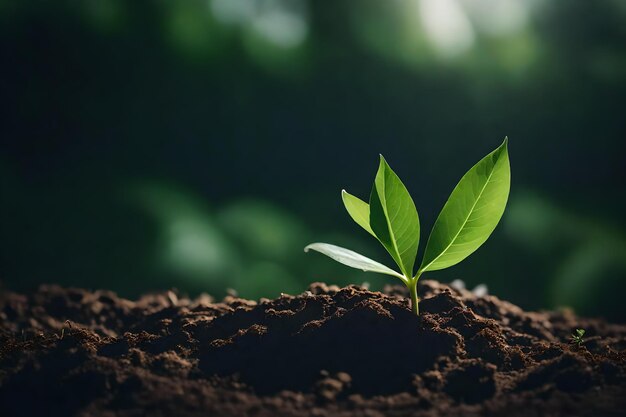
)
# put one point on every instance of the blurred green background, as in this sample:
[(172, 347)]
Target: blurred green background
[(202, 144)]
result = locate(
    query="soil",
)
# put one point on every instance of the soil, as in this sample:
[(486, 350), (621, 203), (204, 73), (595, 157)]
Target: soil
[(327, 352)]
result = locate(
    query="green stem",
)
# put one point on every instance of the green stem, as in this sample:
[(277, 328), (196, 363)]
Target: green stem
[(414, 298)]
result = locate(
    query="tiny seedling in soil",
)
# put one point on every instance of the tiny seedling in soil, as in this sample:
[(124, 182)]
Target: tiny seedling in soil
[(467, 219), (577, 337), (63, 330)]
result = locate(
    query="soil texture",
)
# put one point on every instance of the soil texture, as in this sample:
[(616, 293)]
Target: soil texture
[(327, 352)]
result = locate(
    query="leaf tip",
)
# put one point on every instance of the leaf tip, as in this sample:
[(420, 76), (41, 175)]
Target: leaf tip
[(383, 165), (503, 149), (345, 197)]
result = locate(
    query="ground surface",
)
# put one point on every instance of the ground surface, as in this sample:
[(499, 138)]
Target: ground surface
[(327, 352)]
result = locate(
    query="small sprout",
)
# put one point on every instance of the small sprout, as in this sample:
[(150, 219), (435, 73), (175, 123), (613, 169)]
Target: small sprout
[(577, 337), (466, 221), (69, 325)]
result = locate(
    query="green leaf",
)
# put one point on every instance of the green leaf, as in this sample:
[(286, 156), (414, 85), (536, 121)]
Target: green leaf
[(393, 218), (358, 209), (471, 213), (353, 259)]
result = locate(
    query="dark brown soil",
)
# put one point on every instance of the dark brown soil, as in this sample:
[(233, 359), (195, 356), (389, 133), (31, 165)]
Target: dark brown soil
[(326, 352)]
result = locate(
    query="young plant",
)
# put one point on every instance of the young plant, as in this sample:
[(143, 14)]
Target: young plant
[(467, 219), (577, 337)]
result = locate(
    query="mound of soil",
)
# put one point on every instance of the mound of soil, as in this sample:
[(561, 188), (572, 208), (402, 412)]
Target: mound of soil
[(326, 352)]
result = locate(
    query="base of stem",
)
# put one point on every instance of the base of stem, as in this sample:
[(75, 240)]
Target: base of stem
[(414, 297)]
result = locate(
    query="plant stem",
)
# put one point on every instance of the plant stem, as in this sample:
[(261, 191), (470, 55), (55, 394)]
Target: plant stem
[(414, 299)]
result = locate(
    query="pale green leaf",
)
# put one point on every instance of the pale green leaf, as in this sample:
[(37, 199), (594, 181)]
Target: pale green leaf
[(352, 259), (358, 209), (471, 213), (393, 217)]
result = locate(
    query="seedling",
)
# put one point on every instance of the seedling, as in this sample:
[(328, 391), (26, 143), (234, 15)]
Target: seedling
[(577, 337), (467, 219), (63, 329)]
